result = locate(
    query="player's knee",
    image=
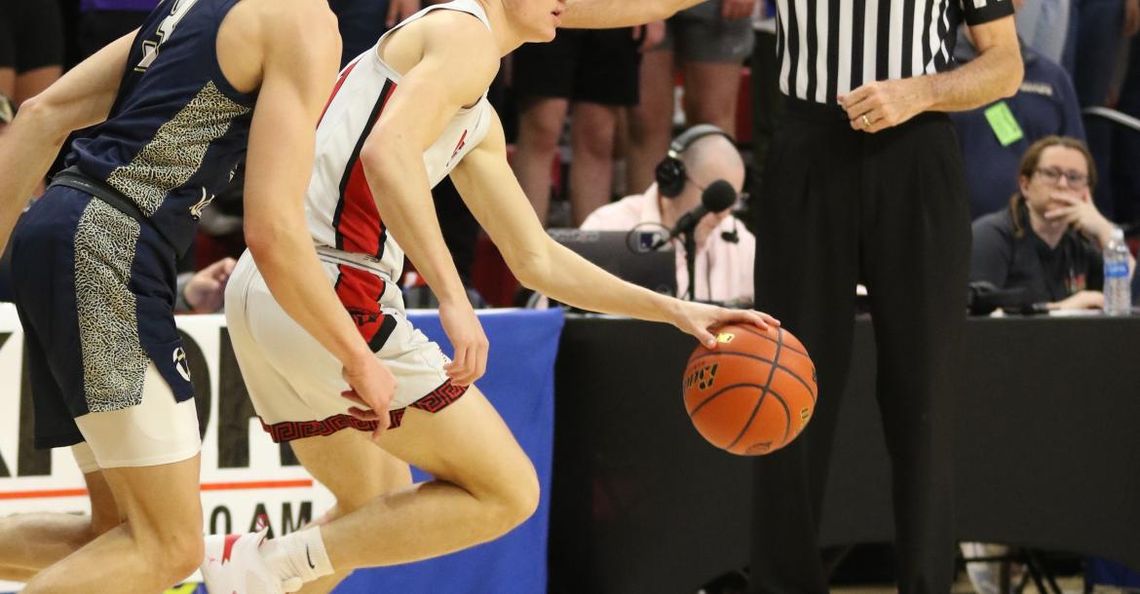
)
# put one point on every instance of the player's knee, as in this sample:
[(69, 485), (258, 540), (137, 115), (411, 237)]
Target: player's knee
[(541, 136), (180, 553), (187, 555), (519, 500), (102, 523)]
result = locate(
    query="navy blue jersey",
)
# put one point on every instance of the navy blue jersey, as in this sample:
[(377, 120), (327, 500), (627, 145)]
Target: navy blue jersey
[(178, 129)]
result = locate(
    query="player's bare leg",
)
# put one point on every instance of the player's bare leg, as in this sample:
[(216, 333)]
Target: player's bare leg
[(158, 545), (357, 472), (31, 542), (484, 486)]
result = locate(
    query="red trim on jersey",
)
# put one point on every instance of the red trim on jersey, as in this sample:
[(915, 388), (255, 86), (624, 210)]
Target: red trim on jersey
[(357, 222), (336, 89)]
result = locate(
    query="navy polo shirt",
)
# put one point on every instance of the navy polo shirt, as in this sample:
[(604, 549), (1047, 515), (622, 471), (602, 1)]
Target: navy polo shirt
[(1046, 104)]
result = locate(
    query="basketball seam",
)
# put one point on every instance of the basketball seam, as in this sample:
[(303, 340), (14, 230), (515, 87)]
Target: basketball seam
[(719, 392), (766, 337), (775, 364), (787, 415), (765, 389)]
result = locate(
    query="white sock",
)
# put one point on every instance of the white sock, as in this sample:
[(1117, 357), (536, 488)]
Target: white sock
[(300, 554)]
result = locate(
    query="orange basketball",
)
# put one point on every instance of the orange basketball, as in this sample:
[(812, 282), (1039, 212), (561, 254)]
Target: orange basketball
[(754, 393)]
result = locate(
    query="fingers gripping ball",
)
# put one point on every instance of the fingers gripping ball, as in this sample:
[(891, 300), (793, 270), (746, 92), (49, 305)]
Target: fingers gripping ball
[(753, 394)]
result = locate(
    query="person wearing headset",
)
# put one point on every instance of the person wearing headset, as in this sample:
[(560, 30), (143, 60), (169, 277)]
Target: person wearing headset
[(696, 159)]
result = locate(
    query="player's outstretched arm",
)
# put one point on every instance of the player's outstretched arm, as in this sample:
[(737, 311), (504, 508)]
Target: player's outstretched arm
[(297, 79), (493, 194), (605, 14), (454, 61), (81, 98)]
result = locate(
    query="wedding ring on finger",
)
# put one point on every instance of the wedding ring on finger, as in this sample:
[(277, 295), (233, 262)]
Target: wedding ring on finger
[(866, 121)]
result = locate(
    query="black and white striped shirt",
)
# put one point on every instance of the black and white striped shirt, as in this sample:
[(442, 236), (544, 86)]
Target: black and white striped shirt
[(829, 47)]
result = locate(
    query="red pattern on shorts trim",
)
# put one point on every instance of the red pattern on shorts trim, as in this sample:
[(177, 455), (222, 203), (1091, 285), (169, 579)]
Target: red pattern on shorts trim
[(435, 401)]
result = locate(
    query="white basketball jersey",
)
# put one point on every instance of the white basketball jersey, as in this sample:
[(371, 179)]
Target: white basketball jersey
[(341, 210)]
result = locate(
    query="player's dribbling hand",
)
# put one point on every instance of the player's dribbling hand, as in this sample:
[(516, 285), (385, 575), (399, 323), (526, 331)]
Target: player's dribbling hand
[(371, 386), (698, 318), (466, 335)]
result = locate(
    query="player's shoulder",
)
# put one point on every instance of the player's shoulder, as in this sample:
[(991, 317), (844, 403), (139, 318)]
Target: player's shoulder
[(301, 21), (459, 32)]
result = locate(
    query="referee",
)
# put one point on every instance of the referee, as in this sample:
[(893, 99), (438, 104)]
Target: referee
[(864, 184)]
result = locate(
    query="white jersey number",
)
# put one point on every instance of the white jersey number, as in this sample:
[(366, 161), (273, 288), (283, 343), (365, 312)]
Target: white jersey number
[(150, 47)]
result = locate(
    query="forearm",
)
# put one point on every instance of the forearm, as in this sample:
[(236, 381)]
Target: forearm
[(27, 149), (288, 262), (408, 211), (604, 14), (564, 276), (994, 74)]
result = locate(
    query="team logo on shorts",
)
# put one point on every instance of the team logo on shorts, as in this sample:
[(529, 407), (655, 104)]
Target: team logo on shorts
[(181, 364)]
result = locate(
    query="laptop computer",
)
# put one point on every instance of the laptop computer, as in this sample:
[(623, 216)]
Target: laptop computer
[(626, 255)]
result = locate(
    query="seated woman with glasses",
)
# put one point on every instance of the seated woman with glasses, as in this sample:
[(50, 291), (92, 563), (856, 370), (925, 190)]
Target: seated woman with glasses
[(1048, 242)]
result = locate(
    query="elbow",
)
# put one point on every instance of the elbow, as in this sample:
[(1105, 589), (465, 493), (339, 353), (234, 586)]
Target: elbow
[(46, 118), (1015, 72), (530, 267), (263, 237), (380, 160), (370, 159)]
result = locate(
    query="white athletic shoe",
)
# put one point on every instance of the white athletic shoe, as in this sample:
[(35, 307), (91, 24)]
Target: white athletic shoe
[(233, 565)]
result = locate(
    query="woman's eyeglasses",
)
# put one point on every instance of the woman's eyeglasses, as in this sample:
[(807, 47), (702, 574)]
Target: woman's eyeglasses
[(1075, 179)]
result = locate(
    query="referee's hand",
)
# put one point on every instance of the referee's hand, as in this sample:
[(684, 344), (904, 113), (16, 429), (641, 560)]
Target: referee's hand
[(887, 103)]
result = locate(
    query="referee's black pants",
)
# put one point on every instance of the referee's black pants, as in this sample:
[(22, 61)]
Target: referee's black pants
[(889, 210)]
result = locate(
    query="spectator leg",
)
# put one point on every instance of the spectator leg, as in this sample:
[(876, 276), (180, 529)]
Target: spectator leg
[(651, 120), (592, 130), (711, 93), (540, 126)]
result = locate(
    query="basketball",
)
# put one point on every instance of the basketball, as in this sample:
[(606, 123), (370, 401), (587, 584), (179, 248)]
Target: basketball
[(754, 393)]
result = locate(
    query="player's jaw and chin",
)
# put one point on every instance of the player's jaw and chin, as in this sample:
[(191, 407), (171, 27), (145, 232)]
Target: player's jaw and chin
[(539, 19)]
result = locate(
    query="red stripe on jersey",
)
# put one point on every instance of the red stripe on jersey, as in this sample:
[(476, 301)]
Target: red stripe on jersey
[(336, 89), (357, 223), (360, 293)]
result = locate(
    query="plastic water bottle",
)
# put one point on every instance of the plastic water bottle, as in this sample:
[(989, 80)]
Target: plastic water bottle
[(1117, 287)]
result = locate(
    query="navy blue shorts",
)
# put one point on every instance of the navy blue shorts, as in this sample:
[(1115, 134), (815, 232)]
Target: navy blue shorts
[(94, 288)]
